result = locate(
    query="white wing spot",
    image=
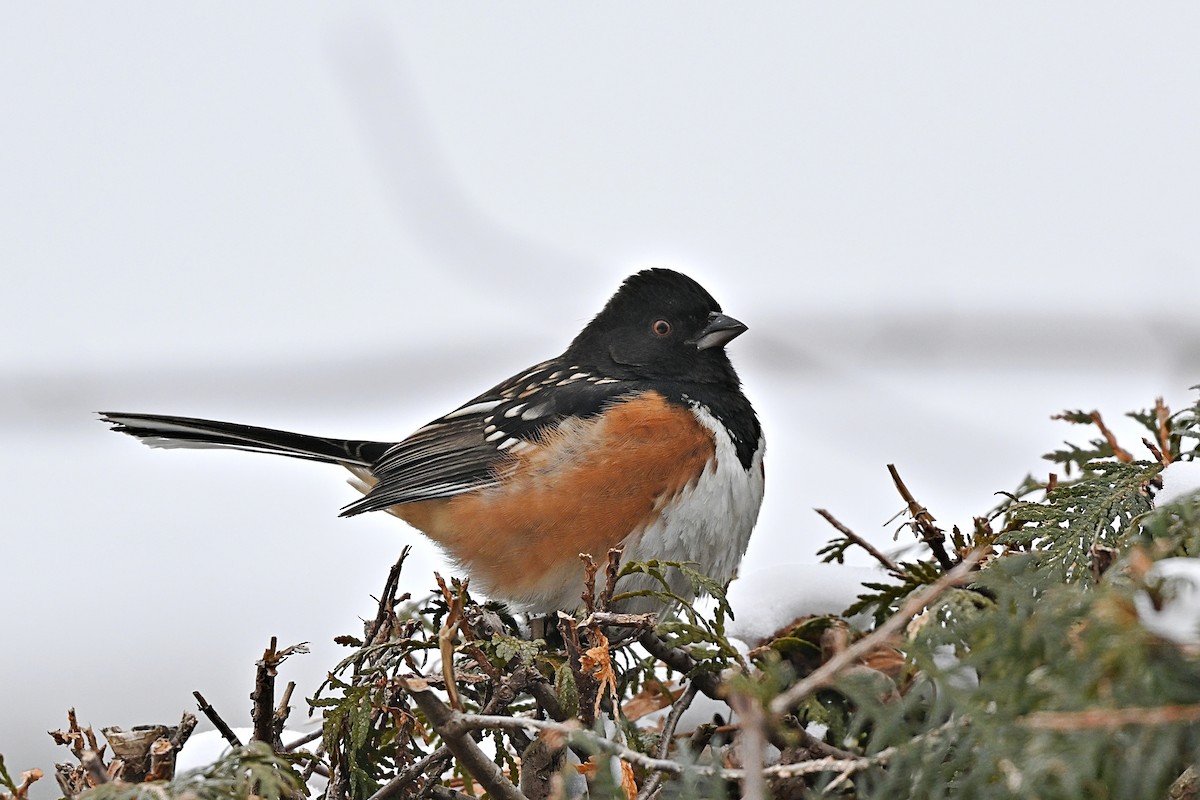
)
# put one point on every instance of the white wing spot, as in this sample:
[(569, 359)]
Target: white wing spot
[(496, 435), (512, 412), (534, 412), (507, 443), (474, 408)]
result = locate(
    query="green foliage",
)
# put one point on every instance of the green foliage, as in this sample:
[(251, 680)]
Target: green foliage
[(244, 773), (704, 638), (1075, 518), (1021, 684)]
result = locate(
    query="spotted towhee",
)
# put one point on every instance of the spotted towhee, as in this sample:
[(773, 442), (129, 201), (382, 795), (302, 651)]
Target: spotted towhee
[(638, 434)]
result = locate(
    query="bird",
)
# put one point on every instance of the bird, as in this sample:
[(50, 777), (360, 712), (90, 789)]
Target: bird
[(637, 436)]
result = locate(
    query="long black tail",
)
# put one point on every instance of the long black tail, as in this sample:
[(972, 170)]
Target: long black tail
[(157, 430)]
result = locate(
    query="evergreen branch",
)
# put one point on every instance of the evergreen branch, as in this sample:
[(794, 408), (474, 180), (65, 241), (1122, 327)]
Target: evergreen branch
[(825, 674)]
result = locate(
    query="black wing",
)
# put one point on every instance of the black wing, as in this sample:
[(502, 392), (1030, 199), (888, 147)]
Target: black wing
[(460, 451)]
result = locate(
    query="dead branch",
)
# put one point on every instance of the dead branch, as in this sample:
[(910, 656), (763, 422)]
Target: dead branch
[(446, 634), (222, 727), (930, 533), (1121, 454), (303, 740), (826, 673), (445, 721), (610, 577)]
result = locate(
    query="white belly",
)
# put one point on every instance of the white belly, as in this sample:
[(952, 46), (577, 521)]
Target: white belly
[(708, 523)]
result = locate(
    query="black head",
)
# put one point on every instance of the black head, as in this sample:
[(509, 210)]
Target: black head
[(660, 324)]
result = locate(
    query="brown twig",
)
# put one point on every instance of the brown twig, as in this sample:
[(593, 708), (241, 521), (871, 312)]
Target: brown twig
[(1158, 454), (752, 738), (303, 740), (226, 732), (1109, 718), (589, 582), (664, 744), (1121, 454), (1162, 416), (263, 697), (930, 533), (879, 556), (587, 685), (409, 774), (446, 634), (612, 619), (610, 577), (824, 674), (446, 721)]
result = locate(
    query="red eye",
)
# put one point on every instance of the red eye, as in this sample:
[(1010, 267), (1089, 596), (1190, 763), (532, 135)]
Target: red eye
[(661, 327)]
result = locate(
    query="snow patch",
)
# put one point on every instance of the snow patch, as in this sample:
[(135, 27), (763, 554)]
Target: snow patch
[(1179, 617), (766, 600), (1180, 479)]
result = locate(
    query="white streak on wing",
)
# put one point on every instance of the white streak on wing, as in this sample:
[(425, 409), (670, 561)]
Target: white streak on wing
[(474, 408), (496, 435), (512, 412), (534, 412), (507, 443), (607, 380)]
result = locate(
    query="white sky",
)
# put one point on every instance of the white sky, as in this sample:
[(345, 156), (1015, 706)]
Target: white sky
[(942, 222)]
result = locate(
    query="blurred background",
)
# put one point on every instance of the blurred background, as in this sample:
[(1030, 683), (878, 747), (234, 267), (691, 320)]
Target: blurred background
[(942, 223)]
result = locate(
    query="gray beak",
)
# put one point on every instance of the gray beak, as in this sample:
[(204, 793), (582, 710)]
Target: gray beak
[(719, 331)]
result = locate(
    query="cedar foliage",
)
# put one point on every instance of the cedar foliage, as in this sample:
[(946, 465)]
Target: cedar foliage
[(1033, 677)]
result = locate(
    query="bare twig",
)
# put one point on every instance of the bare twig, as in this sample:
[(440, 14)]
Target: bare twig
[(931, 534), (664, 744), (473, 760), (1122, 455), (446, 634), (614, 620), (263, 697), (879, 556), (303, 740), (218, 723), (1162, 417), (824, 674), (460, 723), (589, 582), (752, 739), (610, 577), (409, 774), (1109, 718), (585, 682)]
